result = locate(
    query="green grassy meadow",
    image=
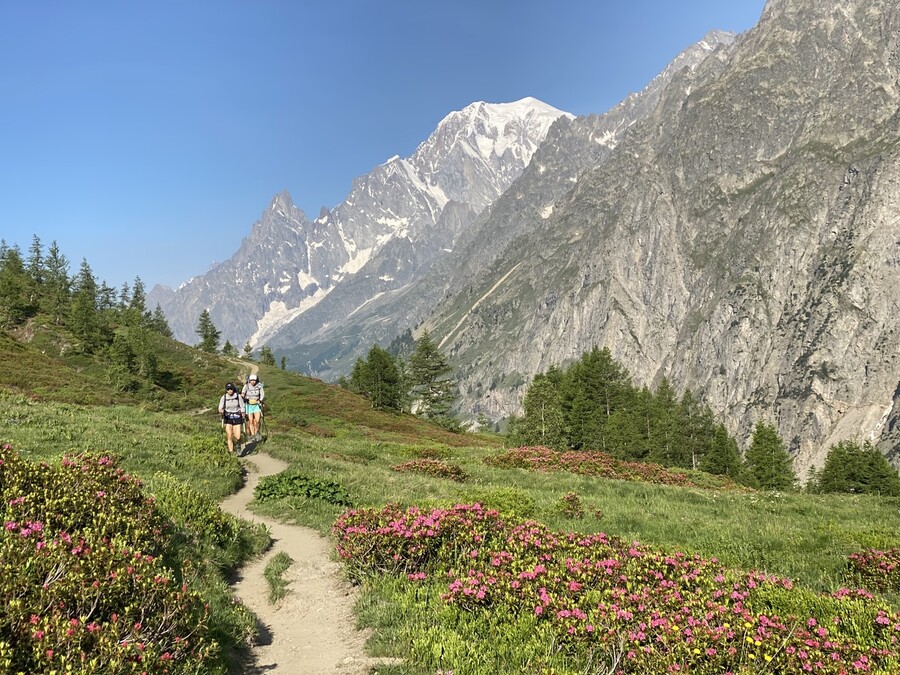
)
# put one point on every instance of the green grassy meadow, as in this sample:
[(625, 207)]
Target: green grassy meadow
[(54, 404)]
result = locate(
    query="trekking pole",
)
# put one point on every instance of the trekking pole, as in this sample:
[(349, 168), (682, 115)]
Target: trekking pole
[(263, 431)]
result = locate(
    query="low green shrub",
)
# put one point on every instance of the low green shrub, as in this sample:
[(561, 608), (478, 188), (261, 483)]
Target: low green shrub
[(203, 523), (509, 501), (570, 506), (434, 468), (294, 483)]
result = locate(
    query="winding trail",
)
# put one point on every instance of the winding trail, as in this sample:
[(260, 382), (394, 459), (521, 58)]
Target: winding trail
[(312, 630)]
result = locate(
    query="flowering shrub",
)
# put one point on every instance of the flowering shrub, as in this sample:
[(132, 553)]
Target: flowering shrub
[(570, 505), (433, 467), (80, 578), (594, 463), (876, 570), (648, 611)]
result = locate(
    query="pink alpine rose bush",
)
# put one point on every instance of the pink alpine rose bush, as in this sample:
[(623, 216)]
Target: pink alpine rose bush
[(599, 597), (435, 468), (81, 580), (875, 570), (595, 463)]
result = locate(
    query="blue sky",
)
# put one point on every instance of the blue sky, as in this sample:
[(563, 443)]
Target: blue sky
[(148, 137)]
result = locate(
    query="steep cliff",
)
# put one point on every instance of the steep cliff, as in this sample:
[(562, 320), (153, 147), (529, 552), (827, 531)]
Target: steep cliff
[(742, 240)]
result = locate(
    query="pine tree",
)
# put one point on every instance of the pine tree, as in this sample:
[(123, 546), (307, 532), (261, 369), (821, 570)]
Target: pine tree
[(266, 356), (854, 468), (57, 285), (379, 379), (542, 418), (135, 311), (158, 323), (723, 456), (229, 349), (209, 334), (665, 428), (433, 388), (14, 287), (248, 352), (84, 316), (35, 271), (592, 389), (769, 466)]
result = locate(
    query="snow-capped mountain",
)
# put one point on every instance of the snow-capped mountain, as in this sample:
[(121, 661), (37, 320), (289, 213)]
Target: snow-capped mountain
[(385, 234), (327, 347)]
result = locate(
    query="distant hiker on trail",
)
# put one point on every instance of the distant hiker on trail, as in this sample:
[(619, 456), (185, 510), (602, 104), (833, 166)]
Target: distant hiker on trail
[(231, 407), (253, 396)]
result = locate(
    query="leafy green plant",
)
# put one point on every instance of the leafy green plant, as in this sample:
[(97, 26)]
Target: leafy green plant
[(294, 483), (508, 501), (204, 524)]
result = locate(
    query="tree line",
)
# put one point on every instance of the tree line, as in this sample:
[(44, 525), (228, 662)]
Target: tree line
[(99, 319), (410, 376), (593, 405)]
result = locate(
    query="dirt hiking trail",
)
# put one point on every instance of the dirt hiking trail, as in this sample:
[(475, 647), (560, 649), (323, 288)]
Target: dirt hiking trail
[(312, 630)]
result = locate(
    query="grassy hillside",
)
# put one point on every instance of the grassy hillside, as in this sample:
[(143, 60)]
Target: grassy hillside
[(456, 600)]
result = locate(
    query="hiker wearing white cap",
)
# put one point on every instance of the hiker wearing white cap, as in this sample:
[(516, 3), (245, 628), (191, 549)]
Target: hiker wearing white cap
[(253, 395)]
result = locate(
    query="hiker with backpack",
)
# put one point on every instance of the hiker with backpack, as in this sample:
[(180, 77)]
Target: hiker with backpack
[(231, 407), (253, 395)]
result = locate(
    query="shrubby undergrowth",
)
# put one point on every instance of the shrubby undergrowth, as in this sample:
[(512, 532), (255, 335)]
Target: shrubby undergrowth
[(602, 465), (572, 602), (89, 576)]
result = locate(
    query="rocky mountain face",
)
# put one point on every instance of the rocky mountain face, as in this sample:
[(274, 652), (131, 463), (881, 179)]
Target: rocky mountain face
[(394, 223), (742, 239), (327, 347)]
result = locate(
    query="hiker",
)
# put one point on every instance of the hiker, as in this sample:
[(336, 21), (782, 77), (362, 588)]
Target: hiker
[(231, 407), (253, 395)]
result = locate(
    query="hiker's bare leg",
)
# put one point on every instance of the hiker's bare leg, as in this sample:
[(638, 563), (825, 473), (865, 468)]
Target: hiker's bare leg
[(232, 434), (253, 423)]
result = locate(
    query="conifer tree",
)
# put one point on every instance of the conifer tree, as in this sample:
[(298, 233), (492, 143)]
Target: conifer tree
[(158, 323), (84, 316), (35, 270), (209, 334), (542, 418), (266, 356), (57, 285), (135, 311), (769, 466), (229, 349), (592, 389), (665, 429), (723, 456), (14, 287), (379, 379), (430, 375), (854, 468)]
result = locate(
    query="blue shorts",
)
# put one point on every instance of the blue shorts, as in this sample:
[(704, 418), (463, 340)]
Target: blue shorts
[(252, 408)]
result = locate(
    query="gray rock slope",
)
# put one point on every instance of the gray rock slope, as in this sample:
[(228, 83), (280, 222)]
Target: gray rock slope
[(743, 240), (572, 146)]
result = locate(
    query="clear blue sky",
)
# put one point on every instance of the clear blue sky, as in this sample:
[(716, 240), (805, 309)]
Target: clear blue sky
[(148, 137)]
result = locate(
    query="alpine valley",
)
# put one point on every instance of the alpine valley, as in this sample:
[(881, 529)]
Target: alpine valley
[(734, 227)]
